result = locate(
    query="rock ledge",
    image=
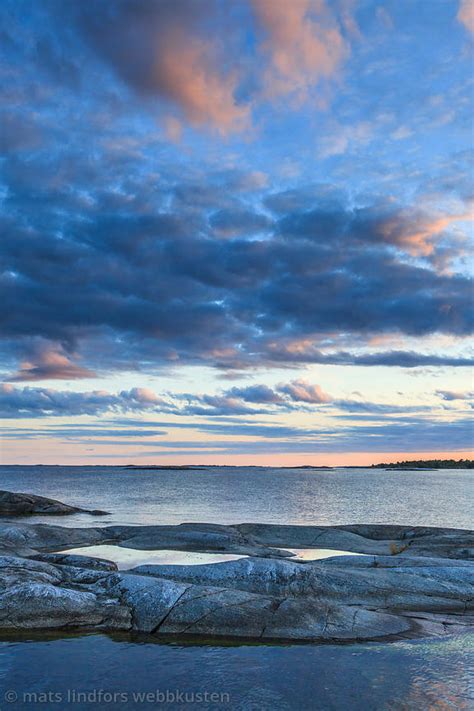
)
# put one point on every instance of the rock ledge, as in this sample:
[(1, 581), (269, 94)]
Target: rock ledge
[(411, 581), (15, 504)]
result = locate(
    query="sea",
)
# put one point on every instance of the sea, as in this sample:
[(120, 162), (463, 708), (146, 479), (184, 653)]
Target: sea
[(99, 671)]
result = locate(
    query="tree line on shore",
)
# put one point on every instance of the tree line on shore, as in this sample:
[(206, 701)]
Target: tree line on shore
[(428, 464)]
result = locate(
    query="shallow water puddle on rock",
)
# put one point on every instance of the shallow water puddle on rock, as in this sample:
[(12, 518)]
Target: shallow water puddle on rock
[(127, 558), (316, 553)]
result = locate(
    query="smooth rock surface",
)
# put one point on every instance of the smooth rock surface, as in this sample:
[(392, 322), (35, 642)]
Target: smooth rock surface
[(260, 540), (411, 581), (415, 588)]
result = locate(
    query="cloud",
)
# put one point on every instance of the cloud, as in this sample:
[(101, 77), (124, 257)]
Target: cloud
[(466, 14), (414, 230), (401, 133), (76, 432), (452, 395), (302, 391), (50, 363), (296, 395), (400, 429), (257, 394), (19, 133), (409, 434), (131, 255), (125, 253), (342, 138), (390, 358), (303, 44), (232, 403), (173, 50), (43, 402), (140, 286), (216, 405), (142, 396), (230, 223), (374, 408), (194, 61)]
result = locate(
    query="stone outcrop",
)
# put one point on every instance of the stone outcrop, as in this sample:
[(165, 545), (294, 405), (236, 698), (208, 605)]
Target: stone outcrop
[(410, 581), (261, 540), (15, 504), (35, 594)]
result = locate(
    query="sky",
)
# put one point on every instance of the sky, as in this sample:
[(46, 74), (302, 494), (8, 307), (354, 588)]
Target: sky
[(236, 231)]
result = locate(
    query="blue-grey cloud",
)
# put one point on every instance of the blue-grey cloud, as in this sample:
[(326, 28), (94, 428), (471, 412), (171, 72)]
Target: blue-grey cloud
[(113, 250), (455, 395), (228, 406), (417, 435), (232, 223), (408, 434), (303, 391), (44, 402), (173, 289), (390, 358), (76, 432), (257, 394), (49, 364)]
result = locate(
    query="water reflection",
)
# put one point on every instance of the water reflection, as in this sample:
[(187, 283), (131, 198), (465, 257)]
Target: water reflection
[(240, 494), (309, 554), (127, 558), (416, 674)]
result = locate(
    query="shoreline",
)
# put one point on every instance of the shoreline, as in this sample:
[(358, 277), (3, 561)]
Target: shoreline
[(411, 581)]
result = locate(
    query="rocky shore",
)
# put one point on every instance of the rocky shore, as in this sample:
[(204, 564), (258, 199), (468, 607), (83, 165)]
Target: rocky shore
[(15, 504), (411, 581)]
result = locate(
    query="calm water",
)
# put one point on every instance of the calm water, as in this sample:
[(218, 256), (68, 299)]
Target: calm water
[(419, 674), (402, 675), (243, 494)]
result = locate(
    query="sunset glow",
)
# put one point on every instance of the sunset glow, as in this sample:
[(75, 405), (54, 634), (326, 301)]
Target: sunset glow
[(236, 232)]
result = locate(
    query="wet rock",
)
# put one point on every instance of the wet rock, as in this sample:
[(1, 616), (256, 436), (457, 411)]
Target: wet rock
[(150, 601), (39, 605), (16, 504), (315, 620), (32, 596), (219, 612)]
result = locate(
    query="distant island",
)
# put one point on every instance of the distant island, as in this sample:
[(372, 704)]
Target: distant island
[(428, 464), (412, 464), (165, 467)]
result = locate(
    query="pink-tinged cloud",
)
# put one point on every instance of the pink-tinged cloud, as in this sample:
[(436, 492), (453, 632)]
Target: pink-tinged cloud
[(302, 391), (190, 54), (143, 396), (302, 44), (50, 364), (466, 14), (417, 231), (174, 51), (185, 69)]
